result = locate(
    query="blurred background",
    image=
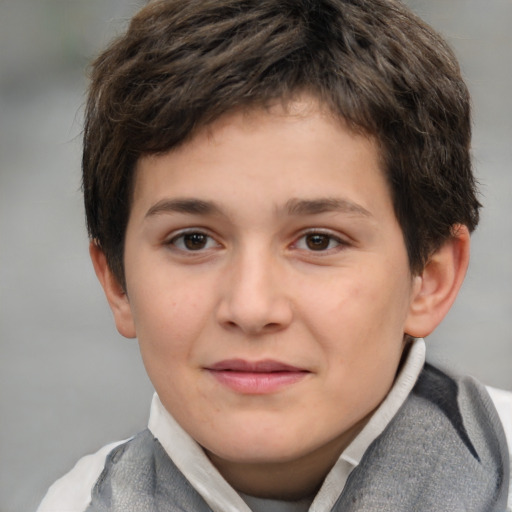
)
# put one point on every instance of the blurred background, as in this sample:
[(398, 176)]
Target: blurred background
[(68, 382)]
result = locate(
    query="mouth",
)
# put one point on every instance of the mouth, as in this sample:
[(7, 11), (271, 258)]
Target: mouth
[(256, 378)]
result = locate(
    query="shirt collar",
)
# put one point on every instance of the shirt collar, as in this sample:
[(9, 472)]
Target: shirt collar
[(404, 382), (190, 459), (353, 453)]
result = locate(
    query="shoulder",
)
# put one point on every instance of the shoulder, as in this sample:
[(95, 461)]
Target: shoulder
[(72, 492), (503, 402), (480, 415)]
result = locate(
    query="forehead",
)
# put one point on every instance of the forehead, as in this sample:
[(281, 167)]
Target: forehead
[(293, 150)]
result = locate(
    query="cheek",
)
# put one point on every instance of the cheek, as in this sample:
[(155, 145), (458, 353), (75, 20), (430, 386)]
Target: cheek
[(167, 333), (168, 320), (358, 316), (345, 304)]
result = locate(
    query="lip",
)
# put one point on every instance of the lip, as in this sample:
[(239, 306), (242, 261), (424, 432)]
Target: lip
[(256, 377)]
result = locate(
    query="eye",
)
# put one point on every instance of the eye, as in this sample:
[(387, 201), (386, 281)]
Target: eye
[(318, 242), (193, 241)]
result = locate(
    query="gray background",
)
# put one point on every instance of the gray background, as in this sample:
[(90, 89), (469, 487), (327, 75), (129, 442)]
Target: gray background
[(68, 382)]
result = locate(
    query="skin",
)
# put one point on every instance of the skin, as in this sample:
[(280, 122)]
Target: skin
[(271, 235)]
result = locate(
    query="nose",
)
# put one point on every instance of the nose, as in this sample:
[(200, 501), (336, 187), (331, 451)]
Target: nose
[(255, 299)]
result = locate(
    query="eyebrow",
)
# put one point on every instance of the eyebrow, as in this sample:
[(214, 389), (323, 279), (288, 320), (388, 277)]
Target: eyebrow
[(324, 205), (194, 206), (190, 206)]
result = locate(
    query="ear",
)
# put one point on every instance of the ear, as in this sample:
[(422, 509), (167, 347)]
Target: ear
[(116, 296), (435, 290)]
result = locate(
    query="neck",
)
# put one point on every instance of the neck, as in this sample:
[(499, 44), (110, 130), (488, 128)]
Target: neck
[(288, 480)]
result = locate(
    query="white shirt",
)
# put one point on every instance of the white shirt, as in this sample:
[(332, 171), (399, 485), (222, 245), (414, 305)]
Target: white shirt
[(72, 493)]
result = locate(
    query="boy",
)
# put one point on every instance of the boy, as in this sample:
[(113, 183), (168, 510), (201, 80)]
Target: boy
[(279, 197)]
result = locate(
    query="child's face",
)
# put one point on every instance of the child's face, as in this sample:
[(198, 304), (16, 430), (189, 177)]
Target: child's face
[(268, 284)]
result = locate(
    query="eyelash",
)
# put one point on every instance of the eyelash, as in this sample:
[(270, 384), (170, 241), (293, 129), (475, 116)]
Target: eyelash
[(179, 241)]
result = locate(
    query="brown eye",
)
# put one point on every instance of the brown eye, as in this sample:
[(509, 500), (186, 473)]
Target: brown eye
[(317, 241), (193, 241)]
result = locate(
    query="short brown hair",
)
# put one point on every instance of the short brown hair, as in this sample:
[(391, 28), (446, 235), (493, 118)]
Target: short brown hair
[(184, 63)]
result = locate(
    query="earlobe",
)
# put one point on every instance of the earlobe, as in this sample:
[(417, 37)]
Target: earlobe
[(435, 290), (114, 292)]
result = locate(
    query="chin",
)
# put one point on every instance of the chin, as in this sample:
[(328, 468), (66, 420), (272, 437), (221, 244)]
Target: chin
[(259, 449)]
